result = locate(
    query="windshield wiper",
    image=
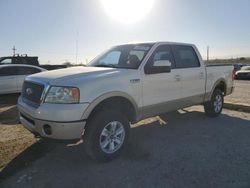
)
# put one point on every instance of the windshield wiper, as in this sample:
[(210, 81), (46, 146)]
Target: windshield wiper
[(105, 65)]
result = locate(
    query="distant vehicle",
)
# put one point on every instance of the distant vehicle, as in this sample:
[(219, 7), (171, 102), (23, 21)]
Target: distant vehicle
[(126, 84), (27, 60), (12, 77), (237, 67), (19, 60), (243, 73)]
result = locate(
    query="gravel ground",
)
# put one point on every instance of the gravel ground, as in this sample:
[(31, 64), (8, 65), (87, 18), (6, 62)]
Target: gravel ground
[(13, 137), (185, 149), (175, 150)]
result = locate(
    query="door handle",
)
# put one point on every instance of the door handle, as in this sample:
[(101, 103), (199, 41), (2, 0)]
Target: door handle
[(177, 78), (135, 80), (201, 74)]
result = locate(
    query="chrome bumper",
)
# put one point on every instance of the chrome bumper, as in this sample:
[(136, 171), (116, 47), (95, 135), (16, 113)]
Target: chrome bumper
[(56, 129)]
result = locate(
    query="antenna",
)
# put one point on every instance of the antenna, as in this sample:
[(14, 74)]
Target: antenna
[(14, 50)]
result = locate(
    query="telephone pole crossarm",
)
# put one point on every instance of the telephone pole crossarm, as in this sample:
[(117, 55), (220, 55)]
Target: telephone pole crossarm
[(14, 50)]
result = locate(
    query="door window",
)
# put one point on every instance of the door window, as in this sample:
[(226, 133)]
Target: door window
[(8, 71), (27, 70), (185, 56), (162, 52)]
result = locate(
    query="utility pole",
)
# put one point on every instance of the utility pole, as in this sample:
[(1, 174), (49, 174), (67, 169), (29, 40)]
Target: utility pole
[(207, 53), (14, 50), (77, 35)]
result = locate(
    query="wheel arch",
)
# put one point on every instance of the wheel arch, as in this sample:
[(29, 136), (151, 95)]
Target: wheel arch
[(219, 84), (118, 100)]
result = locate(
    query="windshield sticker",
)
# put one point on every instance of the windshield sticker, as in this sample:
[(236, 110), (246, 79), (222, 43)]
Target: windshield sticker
[(145, 48)]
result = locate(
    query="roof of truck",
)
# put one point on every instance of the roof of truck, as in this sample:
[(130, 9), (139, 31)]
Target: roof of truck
[(160, 42)]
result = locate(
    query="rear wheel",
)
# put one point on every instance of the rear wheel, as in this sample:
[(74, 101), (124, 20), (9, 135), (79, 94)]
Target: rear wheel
[(106, 135), (214, 107)]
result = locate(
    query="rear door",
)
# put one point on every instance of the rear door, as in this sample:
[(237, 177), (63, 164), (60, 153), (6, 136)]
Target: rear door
[(22, 72), (192, 74), (8, 80)]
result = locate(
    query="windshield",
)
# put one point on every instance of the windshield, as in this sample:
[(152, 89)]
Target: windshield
[(245, 68), (125, 56)]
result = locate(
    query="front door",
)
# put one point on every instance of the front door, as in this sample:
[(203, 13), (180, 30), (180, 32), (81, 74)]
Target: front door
[(161, 91)]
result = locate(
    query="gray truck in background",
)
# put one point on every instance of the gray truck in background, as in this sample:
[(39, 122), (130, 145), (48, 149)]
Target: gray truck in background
[(28, 60)]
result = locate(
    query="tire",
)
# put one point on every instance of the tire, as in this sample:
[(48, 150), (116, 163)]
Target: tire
[(106, 135), (214, 107)]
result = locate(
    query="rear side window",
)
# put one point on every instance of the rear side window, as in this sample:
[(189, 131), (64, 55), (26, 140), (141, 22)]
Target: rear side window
[(27, 70), (185, 56), (23, 61), (8, 71), (32, 61), (15, 61)]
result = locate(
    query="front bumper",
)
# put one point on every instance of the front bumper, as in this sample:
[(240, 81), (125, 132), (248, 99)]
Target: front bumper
[(64, 122)]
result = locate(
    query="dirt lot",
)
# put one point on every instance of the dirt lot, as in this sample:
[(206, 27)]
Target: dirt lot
[(184, 149), (190, 150), (241, 94), (13, 137)]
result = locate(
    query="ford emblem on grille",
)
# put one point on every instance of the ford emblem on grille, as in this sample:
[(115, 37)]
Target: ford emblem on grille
[(29, 91)]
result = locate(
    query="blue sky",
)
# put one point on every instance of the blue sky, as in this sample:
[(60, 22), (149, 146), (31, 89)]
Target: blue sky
[(50, 29)]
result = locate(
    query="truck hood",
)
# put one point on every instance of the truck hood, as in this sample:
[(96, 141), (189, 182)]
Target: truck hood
[(56, 76)]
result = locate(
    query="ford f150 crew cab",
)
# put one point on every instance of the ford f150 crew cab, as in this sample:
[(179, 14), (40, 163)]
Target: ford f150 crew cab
[(125, 84)]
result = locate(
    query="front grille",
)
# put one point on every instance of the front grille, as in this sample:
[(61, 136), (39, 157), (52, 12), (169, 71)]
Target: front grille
[(32, 92)]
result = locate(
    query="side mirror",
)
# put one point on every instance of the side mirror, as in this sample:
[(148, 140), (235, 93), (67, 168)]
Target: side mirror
[(159, 66)]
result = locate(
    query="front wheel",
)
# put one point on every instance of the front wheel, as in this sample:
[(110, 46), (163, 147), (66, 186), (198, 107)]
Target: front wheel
[(106, 135), (214, 107)]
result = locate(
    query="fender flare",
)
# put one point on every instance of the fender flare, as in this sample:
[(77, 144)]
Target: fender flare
[(214, 86), (105, 96)]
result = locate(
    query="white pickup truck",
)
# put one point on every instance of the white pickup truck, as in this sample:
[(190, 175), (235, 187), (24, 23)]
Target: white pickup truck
[(125, 84)]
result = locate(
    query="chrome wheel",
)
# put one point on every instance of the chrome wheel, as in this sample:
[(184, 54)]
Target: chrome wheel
[(112, 137), (218, 103)]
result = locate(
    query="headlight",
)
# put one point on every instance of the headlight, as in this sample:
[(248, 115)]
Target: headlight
[(66, 95)]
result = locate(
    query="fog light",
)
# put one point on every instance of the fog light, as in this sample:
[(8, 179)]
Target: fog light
[(47, 129)]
